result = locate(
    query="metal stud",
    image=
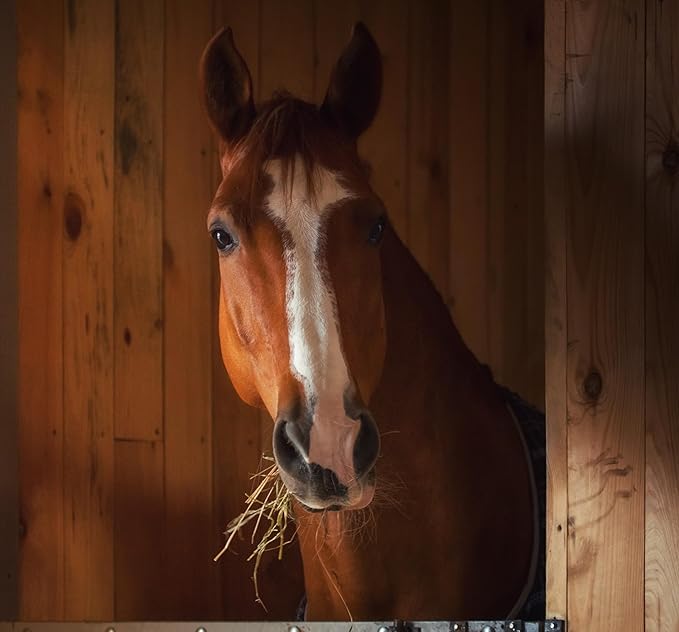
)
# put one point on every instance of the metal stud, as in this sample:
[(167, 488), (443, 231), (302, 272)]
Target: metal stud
[(456, 627), (383, 628), (511, 625), (110, 629), (201, 629), (487, 628), (552, 626), (294, 628)]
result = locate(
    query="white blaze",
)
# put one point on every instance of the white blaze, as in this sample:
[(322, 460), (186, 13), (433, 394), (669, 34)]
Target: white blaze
[(315, 347)]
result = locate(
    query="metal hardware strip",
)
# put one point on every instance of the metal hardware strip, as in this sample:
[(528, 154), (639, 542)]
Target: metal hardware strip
[(552, 625)]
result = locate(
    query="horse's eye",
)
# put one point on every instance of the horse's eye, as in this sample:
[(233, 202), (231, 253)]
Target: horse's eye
[(223, 239), (377, 231)]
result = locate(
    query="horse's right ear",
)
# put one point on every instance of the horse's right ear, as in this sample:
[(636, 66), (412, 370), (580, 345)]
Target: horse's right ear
[(355, 85), (227, 88)]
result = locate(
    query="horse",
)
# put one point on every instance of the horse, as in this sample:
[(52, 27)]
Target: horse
[(328, 322)]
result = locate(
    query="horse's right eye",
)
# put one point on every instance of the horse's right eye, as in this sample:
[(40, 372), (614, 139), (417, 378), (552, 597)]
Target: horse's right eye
[(223, 239)]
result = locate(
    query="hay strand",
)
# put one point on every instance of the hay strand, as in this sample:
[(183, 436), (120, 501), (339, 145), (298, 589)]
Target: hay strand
[(270, 506)]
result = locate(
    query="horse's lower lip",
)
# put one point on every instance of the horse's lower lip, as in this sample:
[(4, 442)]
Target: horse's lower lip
[(329, 508)]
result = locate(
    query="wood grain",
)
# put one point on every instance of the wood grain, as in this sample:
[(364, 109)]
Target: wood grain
[(88, 310), (191, 579), (515, 205), (286, 48), (556, 339), (468, 247), (40, 190), (138, 223), (428, 161), (140, 590), (662, 312), (605, 289)]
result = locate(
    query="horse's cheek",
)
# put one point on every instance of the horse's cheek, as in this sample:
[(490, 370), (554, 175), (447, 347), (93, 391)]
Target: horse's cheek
[(236, 360)]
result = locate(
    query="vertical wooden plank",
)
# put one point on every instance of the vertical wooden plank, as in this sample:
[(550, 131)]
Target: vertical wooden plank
[(515, 206), (385, 144), (556, 340), (192, 583), (428, 122), (286, 45), (605, 289), (140, 584), (138, 219), (662, 313), (9, 330), (500, 267), (40, 190), (469, 173), (88, 309)]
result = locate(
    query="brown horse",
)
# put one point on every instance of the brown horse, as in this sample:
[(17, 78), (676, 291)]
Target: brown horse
[(328, 322)]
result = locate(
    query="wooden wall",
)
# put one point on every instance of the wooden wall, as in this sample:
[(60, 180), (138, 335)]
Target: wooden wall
[(135, 451), (612, 209)]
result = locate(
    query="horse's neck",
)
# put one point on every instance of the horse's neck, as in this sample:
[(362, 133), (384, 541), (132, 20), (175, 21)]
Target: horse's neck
[(425, 352), (439, 412)]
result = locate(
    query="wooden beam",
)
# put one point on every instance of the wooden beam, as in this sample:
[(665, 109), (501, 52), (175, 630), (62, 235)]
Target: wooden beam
[(556, 334), (88, 309), (40, 179), (138, 222), (605, 56), (662, 312)]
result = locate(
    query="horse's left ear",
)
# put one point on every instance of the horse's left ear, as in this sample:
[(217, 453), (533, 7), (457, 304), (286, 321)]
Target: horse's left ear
[(227, 88), (355, 85)]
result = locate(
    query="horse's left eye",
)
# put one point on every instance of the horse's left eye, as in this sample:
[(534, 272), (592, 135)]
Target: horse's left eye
[(223, 239), (377, 231)]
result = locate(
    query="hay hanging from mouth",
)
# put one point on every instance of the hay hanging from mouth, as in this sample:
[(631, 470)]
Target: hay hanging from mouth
[(270, 506)]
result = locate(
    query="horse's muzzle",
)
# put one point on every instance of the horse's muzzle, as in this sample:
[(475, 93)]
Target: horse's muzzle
[(331, 484)]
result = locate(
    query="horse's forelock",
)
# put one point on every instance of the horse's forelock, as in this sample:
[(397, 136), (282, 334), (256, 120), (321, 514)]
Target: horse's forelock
[(290, 131)]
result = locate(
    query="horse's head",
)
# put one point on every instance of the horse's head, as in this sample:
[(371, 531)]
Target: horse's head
[(298, 230)]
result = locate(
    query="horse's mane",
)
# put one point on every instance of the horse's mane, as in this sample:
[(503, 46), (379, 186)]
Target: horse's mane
[(285, 129)]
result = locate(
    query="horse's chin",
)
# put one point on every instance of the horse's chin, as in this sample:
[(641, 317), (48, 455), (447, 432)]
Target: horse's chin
[(359, 498)]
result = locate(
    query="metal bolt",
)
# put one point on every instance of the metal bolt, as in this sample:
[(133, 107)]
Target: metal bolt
[(552, 625), (511, 625), (110, 629), (201, 629), (294, 628), (456, 627), (487, 628), (383, 628)]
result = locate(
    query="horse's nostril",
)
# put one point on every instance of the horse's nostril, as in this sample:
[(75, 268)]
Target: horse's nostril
[(367, 446)]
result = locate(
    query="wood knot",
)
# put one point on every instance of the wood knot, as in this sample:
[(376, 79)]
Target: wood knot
[(127, 336), (592, 385), (74, 207), (670, 157)]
